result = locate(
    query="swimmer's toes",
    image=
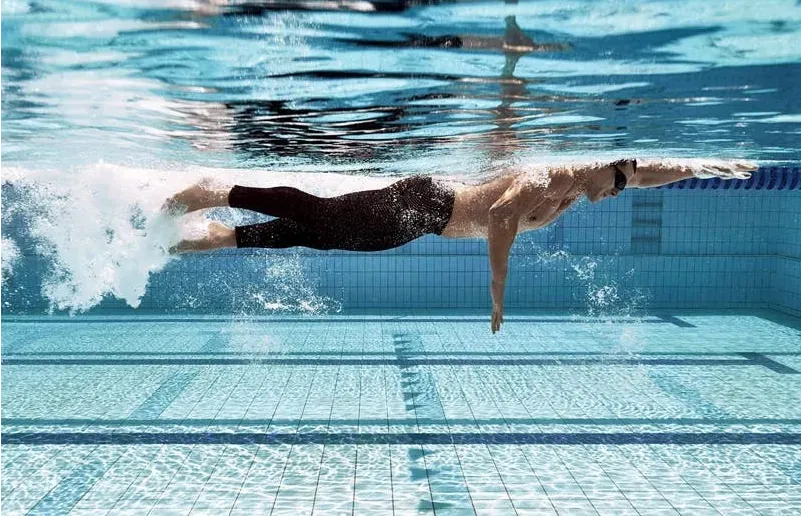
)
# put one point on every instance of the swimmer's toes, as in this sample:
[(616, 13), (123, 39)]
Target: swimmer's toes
[(179, 248)]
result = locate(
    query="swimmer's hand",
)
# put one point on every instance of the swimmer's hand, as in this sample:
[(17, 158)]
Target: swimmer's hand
[(497, 317), (722, 168)]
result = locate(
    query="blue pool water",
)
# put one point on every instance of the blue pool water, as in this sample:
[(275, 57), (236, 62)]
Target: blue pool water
[(650, 361)]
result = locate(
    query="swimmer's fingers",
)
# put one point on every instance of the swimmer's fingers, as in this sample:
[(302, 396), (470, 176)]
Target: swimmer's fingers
[(497, 318), (739, 169)]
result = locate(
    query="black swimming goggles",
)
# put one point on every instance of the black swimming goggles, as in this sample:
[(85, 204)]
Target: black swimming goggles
[(620, 177)]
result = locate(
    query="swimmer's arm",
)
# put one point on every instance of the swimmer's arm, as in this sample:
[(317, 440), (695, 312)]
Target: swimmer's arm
[(652, 173), (520, 199)]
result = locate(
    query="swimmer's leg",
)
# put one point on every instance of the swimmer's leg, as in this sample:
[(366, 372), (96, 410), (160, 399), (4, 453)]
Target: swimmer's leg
[(286, 202), (281, 201), (284, 232), (218, 237), (205, 194), (275, 234)]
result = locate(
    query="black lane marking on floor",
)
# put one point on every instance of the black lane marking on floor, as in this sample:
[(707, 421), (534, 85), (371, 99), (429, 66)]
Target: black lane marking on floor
[(556, 438), (129, 422), (759, 358)]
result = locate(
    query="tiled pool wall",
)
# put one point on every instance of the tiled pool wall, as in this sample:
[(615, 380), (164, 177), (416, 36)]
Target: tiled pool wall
[(785, 275), (693, 244)]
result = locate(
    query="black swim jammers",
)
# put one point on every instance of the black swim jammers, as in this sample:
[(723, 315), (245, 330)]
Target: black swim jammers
[(371, 220)]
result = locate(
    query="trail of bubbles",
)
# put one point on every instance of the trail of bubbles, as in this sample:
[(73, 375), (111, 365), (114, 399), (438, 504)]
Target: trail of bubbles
[(606, 299), (292, 292)]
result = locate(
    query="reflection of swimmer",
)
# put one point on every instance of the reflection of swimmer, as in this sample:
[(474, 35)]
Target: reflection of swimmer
[(513, 40), (375, 220)]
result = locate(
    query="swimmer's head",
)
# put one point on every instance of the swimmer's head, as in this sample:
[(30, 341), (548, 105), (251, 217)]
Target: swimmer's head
[(611, 179)]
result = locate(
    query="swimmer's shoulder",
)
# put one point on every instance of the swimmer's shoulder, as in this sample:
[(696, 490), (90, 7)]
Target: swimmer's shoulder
[(557, 181)]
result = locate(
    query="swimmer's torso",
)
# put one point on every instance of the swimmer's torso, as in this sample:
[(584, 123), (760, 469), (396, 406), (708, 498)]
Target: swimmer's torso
[(470, 216)]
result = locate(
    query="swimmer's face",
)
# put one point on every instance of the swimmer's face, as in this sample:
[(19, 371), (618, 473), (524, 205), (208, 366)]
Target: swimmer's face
[(611, 180)]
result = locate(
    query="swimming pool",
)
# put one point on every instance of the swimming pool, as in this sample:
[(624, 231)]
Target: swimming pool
[(649, 362)]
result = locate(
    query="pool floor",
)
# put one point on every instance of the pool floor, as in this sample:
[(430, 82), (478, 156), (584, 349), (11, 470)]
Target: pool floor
[(675, 413)]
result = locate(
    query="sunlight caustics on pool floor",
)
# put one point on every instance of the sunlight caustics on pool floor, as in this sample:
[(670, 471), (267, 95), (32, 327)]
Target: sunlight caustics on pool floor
[(670, 413)]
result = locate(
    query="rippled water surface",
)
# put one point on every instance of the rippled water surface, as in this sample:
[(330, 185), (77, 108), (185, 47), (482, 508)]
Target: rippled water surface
[(393, 85)]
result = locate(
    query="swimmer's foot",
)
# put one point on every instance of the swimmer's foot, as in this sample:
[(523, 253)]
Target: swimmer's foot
[(217, 236), (200, 196), (514, 39)]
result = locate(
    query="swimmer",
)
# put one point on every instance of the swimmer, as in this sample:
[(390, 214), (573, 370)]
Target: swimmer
[(374, 220)]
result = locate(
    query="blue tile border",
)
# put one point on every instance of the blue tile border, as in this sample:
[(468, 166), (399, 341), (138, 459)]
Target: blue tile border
[(716, 421)]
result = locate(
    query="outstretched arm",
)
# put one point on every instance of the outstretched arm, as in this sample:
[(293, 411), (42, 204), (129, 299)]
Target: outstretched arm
[(658, 172)]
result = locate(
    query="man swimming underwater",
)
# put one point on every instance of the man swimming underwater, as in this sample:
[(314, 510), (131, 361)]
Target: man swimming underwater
[(375, 220)]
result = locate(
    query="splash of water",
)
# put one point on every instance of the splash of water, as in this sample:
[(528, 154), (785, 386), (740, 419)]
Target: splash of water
[(9, 254), (98, 229), (607, 299), (604, 297)]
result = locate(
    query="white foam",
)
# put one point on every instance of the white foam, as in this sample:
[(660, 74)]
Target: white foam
[(10, 255), (12, 7)]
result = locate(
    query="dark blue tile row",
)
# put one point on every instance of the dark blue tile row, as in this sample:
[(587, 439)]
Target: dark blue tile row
[(559, 438), (750, 360)]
